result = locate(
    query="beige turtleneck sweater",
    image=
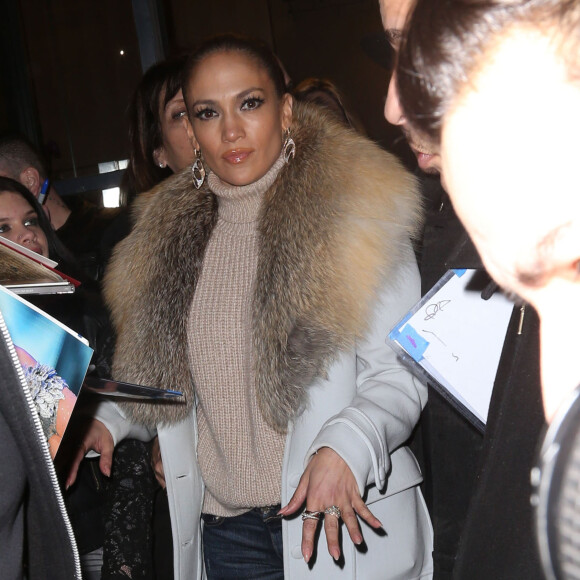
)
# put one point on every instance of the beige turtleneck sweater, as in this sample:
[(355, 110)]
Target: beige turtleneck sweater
[(240, 456)]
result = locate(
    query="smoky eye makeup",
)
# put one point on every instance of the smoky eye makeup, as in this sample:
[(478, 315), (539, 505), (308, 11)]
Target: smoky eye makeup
[(204, 112), (252, 102)]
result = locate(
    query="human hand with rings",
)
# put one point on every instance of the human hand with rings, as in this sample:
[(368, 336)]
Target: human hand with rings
[(329, 490)]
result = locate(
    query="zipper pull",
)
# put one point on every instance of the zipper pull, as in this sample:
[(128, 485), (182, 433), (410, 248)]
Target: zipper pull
[(522, 312)]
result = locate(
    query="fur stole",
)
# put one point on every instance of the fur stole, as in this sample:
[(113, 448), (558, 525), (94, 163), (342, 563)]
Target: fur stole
[(332, 227)]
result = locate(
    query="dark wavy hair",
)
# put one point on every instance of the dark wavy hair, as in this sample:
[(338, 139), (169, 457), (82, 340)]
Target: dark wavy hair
[(445, 42), (161, 81), (57, 251), (252, 47)]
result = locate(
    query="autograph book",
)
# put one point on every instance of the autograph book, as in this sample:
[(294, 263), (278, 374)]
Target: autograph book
[(453, 338), (25, 272)]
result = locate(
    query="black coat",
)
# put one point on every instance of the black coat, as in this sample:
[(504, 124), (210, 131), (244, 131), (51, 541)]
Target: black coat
[(477, 486), (85, 313), (33, 525)]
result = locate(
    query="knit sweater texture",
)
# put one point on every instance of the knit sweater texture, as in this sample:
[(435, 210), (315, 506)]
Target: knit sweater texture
[(239, 454)]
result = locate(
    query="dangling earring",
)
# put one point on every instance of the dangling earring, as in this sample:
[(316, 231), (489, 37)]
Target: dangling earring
[(198, 170), (289, 148)]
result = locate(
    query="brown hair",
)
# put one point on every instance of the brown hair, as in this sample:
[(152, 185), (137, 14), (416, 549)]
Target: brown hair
[(162, 80), (324, 93), (252, 47)]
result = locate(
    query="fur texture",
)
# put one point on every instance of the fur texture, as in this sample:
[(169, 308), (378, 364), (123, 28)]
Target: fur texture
[(332, 228)]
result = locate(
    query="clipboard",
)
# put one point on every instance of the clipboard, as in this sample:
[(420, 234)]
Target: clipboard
[(453, 339)]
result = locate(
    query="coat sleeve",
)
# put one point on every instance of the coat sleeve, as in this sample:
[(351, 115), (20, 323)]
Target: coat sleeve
[(112, 416), (388, 400)]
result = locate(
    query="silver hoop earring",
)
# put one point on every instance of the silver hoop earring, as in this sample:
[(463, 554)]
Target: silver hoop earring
[(289, 148), (198, 170)]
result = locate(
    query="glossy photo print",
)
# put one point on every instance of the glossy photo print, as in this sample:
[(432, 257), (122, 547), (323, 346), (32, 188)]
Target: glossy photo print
[(54, 360)]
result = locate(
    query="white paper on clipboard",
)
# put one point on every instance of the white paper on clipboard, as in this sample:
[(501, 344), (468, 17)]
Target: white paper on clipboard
[(455, 337)]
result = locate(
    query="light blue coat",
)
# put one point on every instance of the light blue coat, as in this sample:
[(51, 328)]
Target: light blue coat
[(365, 410)]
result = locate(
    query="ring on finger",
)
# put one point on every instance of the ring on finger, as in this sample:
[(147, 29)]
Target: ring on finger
[(311, 515), (333, 510)]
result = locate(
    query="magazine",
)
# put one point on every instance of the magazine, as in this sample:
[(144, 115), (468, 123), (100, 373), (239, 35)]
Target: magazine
[(54, 359)]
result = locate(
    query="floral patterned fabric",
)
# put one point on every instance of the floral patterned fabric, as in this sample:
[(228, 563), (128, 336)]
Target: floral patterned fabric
[(128, 547)]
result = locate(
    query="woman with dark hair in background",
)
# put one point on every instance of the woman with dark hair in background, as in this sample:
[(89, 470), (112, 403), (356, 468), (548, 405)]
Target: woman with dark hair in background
[(29, 225), (157, 137), (82, 311), (138, 535)]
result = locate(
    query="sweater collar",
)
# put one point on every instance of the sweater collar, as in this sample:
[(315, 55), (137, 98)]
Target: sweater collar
[(241, 204)]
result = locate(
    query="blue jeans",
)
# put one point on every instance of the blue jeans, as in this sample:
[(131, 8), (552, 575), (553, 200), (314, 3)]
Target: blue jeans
[(246, 547)]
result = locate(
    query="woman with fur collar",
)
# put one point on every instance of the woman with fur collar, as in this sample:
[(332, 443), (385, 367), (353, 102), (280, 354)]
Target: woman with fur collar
[(263, 286)]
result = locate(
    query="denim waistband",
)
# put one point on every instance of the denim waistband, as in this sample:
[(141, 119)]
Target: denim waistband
[(268, 513)]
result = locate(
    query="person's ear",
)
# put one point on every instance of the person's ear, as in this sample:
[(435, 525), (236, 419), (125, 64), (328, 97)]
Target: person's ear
[(190, 133), (566, 249), (555, 259), (286, 111), (160, 157), (30, 178)]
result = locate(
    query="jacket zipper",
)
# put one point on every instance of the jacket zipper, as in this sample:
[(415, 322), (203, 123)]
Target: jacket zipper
[(43, 444), (521, 322)]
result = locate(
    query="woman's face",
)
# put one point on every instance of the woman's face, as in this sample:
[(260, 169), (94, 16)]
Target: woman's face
[(176, 151), (19, 223), (236, 117)]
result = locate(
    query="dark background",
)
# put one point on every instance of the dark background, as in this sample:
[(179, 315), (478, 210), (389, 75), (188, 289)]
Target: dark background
[(65, 84)]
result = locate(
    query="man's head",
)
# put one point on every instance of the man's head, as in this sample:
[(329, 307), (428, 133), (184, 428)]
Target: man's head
[(394, 14), (499, 83), (20, 161)]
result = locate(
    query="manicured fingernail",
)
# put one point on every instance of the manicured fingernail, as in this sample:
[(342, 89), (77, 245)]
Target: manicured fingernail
[(306, 556), (336, 554), (358, 540)]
